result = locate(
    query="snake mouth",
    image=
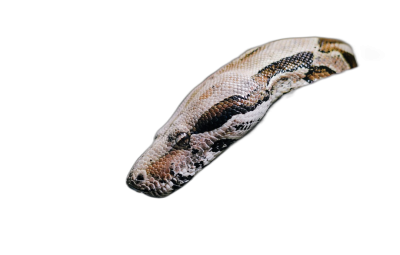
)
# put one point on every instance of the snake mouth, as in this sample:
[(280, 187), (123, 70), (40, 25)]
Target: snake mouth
[(150, 186)]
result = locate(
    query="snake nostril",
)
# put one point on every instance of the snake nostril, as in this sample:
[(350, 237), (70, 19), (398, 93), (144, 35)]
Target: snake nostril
[(140, 177)]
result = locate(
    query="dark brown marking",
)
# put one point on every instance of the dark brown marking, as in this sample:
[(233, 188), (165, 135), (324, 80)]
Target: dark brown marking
[(318, 72), (350, 59), (323, 42), (327, 45), (221, 112), (288, 64)]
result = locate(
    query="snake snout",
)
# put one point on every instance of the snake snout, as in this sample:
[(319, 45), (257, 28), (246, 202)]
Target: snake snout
[(162, 170), (146, 184)]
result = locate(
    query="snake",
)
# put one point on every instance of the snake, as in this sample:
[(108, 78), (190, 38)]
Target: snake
[(228, 104)]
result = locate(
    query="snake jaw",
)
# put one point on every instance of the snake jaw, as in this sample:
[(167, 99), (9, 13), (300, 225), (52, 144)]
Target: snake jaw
[(175, 168), (164, 168), (170, 163)]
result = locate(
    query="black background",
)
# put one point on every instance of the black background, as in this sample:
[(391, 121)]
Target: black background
[(126, 71)]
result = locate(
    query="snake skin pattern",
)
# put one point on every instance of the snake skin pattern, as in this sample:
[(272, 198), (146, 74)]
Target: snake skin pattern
[(228, 104)]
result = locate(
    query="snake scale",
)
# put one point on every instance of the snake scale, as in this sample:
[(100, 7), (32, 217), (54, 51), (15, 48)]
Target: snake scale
[(228, 104)]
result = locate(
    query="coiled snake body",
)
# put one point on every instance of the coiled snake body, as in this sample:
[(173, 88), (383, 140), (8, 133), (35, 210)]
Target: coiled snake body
[(228, 104)]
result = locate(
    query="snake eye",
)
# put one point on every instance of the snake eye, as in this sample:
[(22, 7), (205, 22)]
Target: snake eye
[(182, 140)]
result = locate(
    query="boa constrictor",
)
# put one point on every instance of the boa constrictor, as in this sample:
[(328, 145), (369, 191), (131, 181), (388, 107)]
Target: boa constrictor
[(228, 104)]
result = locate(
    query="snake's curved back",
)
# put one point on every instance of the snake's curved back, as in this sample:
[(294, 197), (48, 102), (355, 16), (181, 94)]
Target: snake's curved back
[(228, 104)]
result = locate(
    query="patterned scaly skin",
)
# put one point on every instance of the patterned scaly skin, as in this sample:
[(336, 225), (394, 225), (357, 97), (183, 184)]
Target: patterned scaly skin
[(228, 104)]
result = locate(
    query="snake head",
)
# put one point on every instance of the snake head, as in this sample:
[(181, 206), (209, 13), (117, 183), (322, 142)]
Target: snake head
[(206, 123), (173, 159)]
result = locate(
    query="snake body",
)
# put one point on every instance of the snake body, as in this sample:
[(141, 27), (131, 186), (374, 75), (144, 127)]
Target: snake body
[(228, 104)]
